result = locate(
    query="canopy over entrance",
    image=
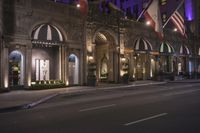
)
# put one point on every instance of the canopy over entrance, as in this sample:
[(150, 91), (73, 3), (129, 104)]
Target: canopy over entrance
[(46, 35)]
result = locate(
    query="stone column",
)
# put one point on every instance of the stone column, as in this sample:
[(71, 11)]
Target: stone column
[(81, 68), (65, 79), (117, 65), (4, 67), (62, 63), (28, 65), (131, 64), (66, 65)]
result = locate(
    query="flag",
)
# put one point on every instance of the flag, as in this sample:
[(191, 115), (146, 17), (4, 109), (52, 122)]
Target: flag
[(83, 6), (152, 14), (178, 20)]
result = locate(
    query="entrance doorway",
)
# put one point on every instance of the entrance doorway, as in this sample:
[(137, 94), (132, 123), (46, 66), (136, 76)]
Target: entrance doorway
[(73, 69), (105, 57), (16, 68)]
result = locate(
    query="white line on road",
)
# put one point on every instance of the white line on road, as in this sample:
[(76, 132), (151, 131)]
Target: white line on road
[(99, 107), (145, 119)]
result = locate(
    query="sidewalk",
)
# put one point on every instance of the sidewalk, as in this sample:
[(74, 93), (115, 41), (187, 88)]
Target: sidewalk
[(20, 99)]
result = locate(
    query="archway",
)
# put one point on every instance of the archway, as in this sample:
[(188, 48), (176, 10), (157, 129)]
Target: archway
[(143, 68), (46, 53), (73, 69), (16, 68), (166, 58), (105, 56), (183, 60)]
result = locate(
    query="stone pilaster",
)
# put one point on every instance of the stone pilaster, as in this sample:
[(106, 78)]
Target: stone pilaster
[(28, 66)]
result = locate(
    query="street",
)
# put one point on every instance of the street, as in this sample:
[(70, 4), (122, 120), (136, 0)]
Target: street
[(166, 108)]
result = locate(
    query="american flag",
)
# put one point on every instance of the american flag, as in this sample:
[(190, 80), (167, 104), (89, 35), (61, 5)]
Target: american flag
[(178, 19)]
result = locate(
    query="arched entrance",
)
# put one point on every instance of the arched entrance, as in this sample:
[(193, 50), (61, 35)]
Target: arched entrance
[(46, 53), (166, 58), (105, 56), (143, 67), (16, 68), (73, 69), (183, 60)]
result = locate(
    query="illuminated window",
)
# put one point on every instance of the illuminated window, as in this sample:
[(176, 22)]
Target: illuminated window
[(163, 2)]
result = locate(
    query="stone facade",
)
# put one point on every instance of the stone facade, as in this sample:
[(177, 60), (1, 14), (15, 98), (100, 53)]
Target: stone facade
[(105, 41)]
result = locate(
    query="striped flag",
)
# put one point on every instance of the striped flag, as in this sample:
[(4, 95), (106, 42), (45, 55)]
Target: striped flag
[(152, 14), (178, 19)]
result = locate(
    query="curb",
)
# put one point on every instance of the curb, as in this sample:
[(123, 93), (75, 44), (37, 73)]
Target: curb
[(44, 99)]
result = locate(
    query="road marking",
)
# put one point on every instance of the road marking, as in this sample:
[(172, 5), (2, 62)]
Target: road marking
[(145, 119), (95, 108)]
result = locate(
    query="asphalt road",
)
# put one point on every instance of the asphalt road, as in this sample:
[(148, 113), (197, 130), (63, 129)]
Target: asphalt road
[(169, 108)]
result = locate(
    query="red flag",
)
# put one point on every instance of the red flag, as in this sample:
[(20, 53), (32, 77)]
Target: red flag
[(83, 6), (152, 14)]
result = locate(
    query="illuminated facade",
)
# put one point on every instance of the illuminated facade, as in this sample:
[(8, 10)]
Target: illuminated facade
[(44, 41)]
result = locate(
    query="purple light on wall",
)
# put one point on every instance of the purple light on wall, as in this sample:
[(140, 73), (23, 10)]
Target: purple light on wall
[(189, 11)]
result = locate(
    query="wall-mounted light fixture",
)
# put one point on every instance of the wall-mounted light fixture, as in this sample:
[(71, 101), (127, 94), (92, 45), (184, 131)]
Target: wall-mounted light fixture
[(123, 59), (90, 58)]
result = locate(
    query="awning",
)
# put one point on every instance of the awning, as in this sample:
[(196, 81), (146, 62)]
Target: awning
[(142, 45), (184, 50), (166, 48), (47, 34)]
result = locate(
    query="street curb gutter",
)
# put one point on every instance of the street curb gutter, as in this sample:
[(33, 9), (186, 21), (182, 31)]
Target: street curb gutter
[(42, 100)]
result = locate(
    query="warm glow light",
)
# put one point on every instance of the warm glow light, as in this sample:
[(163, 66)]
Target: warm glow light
[(33, 83), (151, 71), (67, 82), (143, 70), (29, 80), (123, 59), (90, 58), (78, 5), (6, 83), (175, 29), (148, 23), (122, 73), (89, 48)]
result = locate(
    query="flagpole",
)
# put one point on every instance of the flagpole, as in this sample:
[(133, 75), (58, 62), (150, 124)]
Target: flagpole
[(144, 10), (173, 13)]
